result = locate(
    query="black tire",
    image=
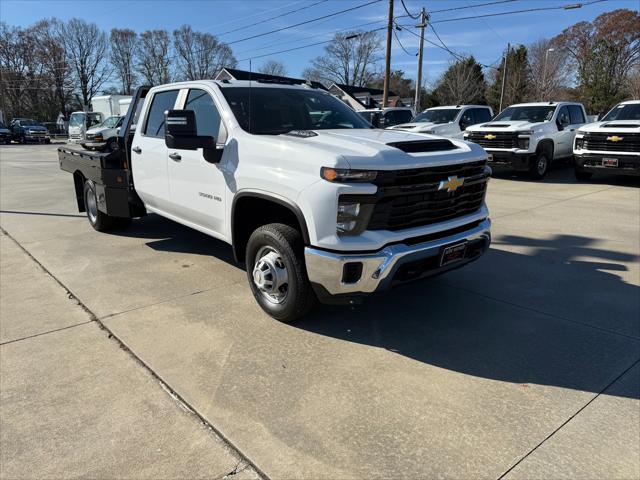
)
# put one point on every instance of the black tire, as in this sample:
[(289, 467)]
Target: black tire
[(283, 243), (582, 175), (100, 221), (539, 166)]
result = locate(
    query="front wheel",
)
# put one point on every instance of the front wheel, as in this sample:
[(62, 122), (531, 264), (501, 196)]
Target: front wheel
[(100, 221), (276, 272), (539, 166)]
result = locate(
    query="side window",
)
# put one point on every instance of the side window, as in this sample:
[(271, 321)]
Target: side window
[(563, 116), (161, 102), (468, 118), (576, 114), (482, 115), (403, 116), (207, 115)]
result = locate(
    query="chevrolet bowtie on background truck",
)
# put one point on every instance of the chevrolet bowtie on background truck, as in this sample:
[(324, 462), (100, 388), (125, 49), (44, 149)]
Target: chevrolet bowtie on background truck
[(611, 145), (315, 202), (528, 137)]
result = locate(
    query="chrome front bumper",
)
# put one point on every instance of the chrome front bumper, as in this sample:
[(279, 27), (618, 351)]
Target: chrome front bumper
[(325, 269)]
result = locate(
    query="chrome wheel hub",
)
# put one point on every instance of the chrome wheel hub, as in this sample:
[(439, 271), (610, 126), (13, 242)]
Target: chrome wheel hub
[(270, 275), (92, 206)]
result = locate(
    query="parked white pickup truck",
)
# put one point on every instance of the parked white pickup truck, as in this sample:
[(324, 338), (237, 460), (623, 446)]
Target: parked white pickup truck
[(611, 145), (315, 202), (529, 136), (447, 121)]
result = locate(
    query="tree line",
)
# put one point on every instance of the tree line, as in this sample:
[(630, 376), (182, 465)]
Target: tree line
[(55, 66)]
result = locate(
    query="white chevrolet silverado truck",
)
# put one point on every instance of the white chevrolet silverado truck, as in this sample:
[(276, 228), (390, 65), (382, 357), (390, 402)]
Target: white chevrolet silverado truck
[(528, 137), (447, 121), (315, 202), (611, 145)]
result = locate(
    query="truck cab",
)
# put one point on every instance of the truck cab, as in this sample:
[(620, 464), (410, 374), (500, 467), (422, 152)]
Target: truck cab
[(316, 203), (528, 137), (80, 122), (447, 121), (386, 117), (611, 145)]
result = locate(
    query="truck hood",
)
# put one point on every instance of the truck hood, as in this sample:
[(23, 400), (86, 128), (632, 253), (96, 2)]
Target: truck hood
[(370, 149), (505, 126), (96, 130), (35, 129), (619, 126), (413, 126)]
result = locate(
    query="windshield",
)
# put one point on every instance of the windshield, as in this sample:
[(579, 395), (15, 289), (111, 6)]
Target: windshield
[(440, 115), (273, 111), (630, 111), (76, 119), (110, 122), (532, 114), (29, 123)]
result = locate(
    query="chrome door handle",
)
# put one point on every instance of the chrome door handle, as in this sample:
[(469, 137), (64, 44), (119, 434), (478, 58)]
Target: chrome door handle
[(136, 150), (175, 156)]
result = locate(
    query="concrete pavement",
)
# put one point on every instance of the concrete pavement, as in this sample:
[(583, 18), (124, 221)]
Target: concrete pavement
[(509, 367)]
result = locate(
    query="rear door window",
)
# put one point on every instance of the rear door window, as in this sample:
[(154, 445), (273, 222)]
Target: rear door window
[(481, 115), (161, 102)]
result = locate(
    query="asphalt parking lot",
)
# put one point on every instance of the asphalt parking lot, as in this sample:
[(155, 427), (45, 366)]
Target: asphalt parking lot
[(525, 364)]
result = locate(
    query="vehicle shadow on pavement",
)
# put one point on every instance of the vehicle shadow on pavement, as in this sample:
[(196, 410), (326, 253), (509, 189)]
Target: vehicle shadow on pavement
[(168, 236), (562, 173), (544, 318)]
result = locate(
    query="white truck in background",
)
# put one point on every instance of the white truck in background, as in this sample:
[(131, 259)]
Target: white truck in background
[(611, 145), (528, 137), (102, 107), (314, 201), (447, 121)]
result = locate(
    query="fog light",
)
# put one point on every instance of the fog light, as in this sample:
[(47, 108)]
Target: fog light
[(351, 272)]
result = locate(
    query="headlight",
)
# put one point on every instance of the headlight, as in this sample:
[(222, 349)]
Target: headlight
[(579, 142), (466, 135), (98, 137), (427, 131), (344, 175), (523, 143), (347, 216)]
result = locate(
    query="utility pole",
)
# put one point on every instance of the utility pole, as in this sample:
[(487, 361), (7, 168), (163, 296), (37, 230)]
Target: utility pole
[(387, 66), (504, 76), (421, 26)]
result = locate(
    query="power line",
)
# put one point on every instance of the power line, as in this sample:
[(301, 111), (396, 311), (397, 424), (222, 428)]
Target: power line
[(395, 34), (271, 18), (303, 46), (415, 17), (462, 8), (540, 9), (304, 23)]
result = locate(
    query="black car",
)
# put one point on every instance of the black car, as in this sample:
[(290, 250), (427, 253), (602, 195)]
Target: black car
[(5, 134), (25, 130)]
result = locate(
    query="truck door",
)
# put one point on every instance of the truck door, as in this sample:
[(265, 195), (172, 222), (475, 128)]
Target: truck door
[(563, 139), (198, 187), (149, 152)]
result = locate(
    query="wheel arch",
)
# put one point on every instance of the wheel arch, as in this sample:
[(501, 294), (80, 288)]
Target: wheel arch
[(546, 145), (78, 182), (273, 208)]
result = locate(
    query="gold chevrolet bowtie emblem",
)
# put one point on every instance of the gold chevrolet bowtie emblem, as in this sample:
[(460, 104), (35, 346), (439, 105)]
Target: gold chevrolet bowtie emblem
[(614, 138), (451, 184), (489, 136)]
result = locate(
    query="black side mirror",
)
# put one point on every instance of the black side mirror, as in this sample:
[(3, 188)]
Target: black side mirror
[(181, 132)]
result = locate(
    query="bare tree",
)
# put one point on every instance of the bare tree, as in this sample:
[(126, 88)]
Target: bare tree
[(273, 67), (463, 82), (87, 49), (550, 70), (153, 58), (200, 55), (123, 44), (349, 58), (633, 83), (50, 47)]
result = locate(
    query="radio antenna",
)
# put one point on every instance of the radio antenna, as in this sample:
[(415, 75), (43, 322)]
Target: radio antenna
[(250, 80)]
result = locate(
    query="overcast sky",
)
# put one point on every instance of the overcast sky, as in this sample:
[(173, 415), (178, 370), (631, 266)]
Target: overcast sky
[(485, 38)]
